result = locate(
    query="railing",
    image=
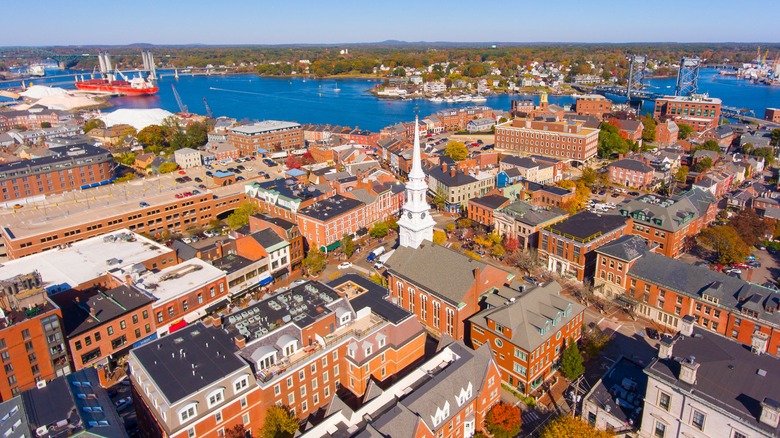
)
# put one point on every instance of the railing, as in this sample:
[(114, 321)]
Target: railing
[(358, 333)]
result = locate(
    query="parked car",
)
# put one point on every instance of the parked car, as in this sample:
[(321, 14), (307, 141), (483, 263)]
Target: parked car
[(614, 195), (633, 193), (379, 265), (208, 173), (733, 271), (532, 280), (754, 264), (143, 204), (652, 333), (197, 179), (740, 266), (345, 265), (602, 192), (123, 403), (240, 178), (202, 186)]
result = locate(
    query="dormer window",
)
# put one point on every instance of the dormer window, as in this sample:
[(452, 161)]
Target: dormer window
[(188, 412), (216, 397), (240, 383)]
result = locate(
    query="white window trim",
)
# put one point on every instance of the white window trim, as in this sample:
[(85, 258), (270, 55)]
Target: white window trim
[(242, 378), (219, 391), (184, 409)]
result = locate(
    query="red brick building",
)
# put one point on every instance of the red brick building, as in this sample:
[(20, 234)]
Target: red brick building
[(481, 209), (568, 246), (527, 331), (630, 173), (593, 105), (772, 114), (69, 168), (30, 119), (666, 133), (698, 111), (286, 230), (456, 119), (614, 260), (559, 140), (439, 285), (269, 135)]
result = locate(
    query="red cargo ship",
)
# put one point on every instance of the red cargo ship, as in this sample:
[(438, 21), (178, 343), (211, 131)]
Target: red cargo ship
[(133, 87)]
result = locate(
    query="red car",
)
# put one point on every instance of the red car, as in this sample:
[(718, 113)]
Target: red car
[(181, 172), (741, 266), (179, 196)]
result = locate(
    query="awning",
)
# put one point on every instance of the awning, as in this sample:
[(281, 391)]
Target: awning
[(330, 247), (265, 279), (177, 326), (281, 273), (218, 305)]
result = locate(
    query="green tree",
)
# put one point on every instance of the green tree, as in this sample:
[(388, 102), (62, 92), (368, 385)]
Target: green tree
[(610, 141), (568, 427), (726, 243), (240, 215), (348, 245), (126, 158), (279, 422), (439, 237), (456, 150), (684, 131), (197, 134), (503, 420), (571, 361), (440, 199), (747, 148), (775, 137), (92, 124), (152, 136), (709, 145), (648, 133), (681, 175), (703, 165), (379, 230), (45, 125), (168, 167), (315, 261), (767, 153)]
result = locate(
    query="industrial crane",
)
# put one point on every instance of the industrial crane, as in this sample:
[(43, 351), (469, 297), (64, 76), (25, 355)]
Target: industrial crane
[(182, 107), (208, 109)]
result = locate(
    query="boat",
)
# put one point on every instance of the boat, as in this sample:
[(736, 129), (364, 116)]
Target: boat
[(436, 99), (134, 87), (36, 70), (479, 99)]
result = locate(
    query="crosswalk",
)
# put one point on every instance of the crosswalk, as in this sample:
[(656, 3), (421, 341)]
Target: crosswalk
[(530, 417)]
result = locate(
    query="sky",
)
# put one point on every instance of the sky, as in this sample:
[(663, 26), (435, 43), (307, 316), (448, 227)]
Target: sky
[(79, 22)]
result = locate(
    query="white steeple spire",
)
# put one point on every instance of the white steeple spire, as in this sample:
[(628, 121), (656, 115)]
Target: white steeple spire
[(416, 223), (416, 171)]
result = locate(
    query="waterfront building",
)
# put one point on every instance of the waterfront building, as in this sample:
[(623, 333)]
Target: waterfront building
[(447, 396), (456, 119), (772, 115), (703, 384), (66, 169), (31, 118), (568, 247), (698, 111), (203, 380), (269, 135), (527, 327), (567, 141)]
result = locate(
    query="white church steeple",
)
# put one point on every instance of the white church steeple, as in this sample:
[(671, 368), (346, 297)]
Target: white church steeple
[(416, 223)]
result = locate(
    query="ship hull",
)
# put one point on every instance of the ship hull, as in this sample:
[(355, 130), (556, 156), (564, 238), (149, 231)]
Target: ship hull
[(120, 87)]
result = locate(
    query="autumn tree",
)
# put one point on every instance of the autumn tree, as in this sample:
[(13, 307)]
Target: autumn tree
[(348, 245), (456, 150), (279, 422), (439, 237), (293, 162), (750, 226), (684, 131), (681, 175), (726, 243), (240, 215), (568, 427), (511, 244), (440, 199), (379, 230), (571, 361), (236, 431), (152, 136), (503, 420), (463, 222), (167, 167), (498, 250), (307, 159), (315, 261), (392, 222), (92, 124)]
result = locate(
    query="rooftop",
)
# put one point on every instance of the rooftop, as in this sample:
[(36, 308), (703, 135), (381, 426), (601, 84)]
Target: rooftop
[(288, 188), (490, 201), (730, 377), (621, 391), (630, 164), (59, 155), (14, 420), (669, 214), (627, 248), (80, 262), (364, 293), (178, 280), (586, 226), (268, 239), (446, 178), (532, 215), (331, 207), (696, 98), (82, 311), (232, 263), (189, 360), (264, 126)]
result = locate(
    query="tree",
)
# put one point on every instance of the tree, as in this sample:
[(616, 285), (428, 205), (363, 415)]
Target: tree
[(682, 174), (439, 237), (450, 227), (126, 158), (571, 361), (236, 431), (498, 250), (378, 279), (456, 150), (525, 260), (495, 238), (197, 134), (768, 153), (610, 141), (503, 420), (567, 427), (168, 167), (511, 244), (307, 158), (648, 133), (589, 177), (279, 422), (293, 162), (240, 215), (750, 226), (45, 124), (152, 136), (726, 243), (703, 165), (440, 199), (709, 145), (379, 230), (92, 124), (315, 261), (348, 244), (775, 137), (464, 222), (684, 131), (747, 148)]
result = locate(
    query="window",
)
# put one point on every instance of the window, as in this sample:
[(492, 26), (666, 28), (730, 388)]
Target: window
[(698, 419), (277, 389), (519, 369), (289, 382), (738, 434), (216, 397), (660, 429), (291, 398), (188, 412), (97, 336), (242, 401), (499, 342), (245, 417), (110, 331), (314, 383), (241, 383), (191, 432), (218, 416), (78, 345), (122, 324), (26, 334), (664, 401)]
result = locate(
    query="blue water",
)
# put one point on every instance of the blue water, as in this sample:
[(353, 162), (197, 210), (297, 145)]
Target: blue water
[(248, 97)]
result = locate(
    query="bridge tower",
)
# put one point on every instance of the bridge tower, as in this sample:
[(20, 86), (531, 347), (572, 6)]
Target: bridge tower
[(687, 76), (636, 77)]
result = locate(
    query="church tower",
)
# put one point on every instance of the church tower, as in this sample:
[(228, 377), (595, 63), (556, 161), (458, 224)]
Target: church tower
[(416, 223)]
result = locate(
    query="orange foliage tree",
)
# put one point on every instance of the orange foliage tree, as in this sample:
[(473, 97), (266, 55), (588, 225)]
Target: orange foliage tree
[(567, 427), (503, 420)]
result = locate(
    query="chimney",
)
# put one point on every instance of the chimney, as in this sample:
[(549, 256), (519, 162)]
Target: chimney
[(759, 342), (688, 368), (452, 172), (128, 280), (770, 412), (665, 347), (240, 342), (686, 325), (444, 167)]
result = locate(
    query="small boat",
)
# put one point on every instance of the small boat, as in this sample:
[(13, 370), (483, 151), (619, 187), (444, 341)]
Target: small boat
[(436, 99), (479, 99)]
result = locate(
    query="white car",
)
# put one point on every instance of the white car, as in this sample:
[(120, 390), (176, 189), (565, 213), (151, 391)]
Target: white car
[(123, 403), (734, 271), (345, 265), (379, 265)]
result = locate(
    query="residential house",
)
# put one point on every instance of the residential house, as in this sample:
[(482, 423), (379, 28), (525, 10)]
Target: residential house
[(630, 173), (530, 168), (187, 158), (481, 209)]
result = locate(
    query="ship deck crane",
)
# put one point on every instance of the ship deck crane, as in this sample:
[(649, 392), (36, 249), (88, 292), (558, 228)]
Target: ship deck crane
[(208, 109), (182, 107)]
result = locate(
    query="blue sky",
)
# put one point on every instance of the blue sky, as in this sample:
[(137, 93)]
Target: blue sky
[(77, 22)]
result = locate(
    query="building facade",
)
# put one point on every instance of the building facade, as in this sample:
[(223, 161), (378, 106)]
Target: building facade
[(561, 140), (630, 173), (593, 105), (698, 111), (270, 135)]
